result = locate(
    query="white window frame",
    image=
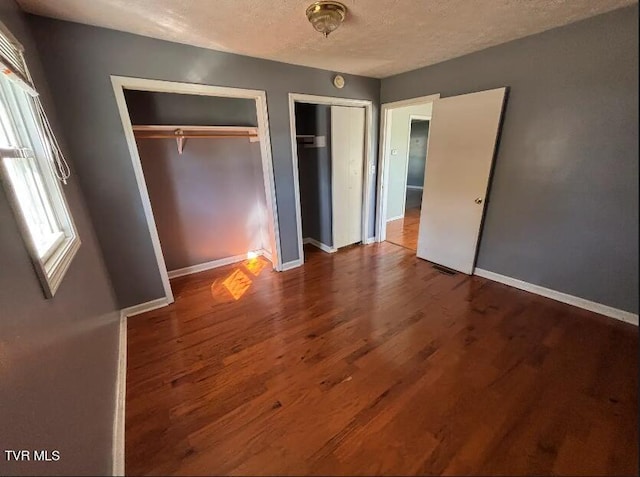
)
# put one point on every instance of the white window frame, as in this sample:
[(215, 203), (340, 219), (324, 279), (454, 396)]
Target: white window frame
[(52, 260)]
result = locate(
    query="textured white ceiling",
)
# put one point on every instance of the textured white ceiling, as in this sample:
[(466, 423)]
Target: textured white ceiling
[(379, 37)]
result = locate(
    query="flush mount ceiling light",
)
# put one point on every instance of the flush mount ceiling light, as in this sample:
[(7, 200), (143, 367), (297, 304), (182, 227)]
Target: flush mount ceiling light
[(326, 16)]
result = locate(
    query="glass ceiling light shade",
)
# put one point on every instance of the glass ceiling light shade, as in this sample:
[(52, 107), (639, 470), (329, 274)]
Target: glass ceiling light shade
[(326, 16)]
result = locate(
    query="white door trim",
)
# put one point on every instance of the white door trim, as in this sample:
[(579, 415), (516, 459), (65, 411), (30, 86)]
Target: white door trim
[(383, 154), (118, 451), (412, 117), (121, 82), (368, 158)]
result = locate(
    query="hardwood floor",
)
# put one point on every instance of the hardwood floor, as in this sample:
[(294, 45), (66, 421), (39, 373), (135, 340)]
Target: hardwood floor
[(369, 361), (404, 231)]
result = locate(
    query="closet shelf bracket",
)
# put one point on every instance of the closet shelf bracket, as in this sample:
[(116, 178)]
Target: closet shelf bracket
[(179, 140)]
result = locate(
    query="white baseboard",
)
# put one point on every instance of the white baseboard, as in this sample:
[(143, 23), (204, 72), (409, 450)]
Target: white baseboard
[(266, 254), (121, 391), (201, 267), (369, 241), (144, 307), (292, 264), (395, 218), (562, 297), (415, 187), (320, 245)]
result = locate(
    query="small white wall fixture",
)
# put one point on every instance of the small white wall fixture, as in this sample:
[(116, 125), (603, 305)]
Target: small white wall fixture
[(120, 83), (368, 158)]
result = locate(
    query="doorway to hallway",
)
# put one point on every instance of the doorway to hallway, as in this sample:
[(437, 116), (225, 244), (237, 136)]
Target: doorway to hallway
[(403, 231)]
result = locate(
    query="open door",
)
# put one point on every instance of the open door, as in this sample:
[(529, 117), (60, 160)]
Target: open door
[(462, 142), (347, 163)]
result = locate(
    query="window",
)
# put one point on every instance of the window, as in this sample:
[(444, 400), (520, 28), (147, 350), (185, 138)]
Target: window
[(32, 169)]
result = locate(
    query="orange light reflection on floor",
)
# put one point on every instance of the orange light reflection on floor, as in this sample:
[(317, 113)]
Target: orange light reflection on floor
[(237, 282), (255, 265)]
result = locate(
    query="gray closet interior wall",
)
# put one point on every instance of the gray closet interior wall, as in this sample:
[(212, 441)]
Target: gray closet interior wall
[(147, 107), (314, 168), (208, 202)]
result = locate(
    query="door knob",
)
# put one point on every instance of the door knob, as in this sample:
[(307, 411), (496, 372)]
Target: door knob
[(478, 200)]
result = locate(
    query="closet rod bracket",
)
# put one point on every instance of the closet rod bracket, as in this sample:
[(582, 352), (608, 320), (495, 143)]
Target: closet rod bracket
[(180, 140)]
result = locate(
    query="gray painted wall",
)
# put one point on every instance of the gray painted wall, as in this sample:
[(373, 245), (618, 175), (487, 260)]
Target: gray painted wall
[(563, 205), (417, 152), (89, 116), (189, 109), (57, 357), (208, 203), (314, 168)]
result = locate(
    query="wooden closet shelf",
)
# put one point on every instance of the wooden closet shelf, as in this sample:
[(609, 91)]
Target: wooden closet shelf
[(180, 133), (194, 131)]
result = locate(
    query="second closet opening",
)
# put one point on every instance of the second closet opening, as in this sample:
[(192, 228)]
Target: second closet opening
[(331, 155)]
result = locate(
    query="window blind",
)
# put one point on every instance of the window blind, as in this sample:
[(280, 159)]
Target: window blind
[(13, 64), (14, 67)]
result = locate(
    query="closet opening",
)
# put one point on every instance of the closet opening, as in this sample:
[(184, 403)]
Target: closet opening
[(202, 160), (332, 168)]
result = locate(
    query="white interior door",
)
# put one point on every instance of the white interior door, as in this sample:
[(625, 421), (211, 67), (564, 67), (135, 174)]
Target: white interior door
[(462, 141), (347, 163)]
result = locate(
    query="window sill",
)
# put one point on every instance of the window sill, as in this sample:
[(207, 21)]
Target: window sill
[(58, 263), (49, 249)]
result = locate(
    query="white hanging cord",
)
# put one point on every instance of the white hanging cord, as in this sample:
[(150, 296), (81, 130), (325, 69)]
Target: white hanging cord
[(61, 167), (15, 68), (60, 164)]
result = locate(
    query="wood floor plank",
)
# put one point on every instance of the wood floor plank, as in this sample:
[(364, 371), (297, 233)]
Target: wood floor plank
[(371, 362), (404, 231)]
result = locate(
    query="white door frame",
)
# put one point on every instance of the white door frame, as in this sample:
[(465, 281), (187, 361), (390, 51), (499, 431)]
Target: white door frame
[(368, 158), (384, 152), (412, 117), (121, 82)]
